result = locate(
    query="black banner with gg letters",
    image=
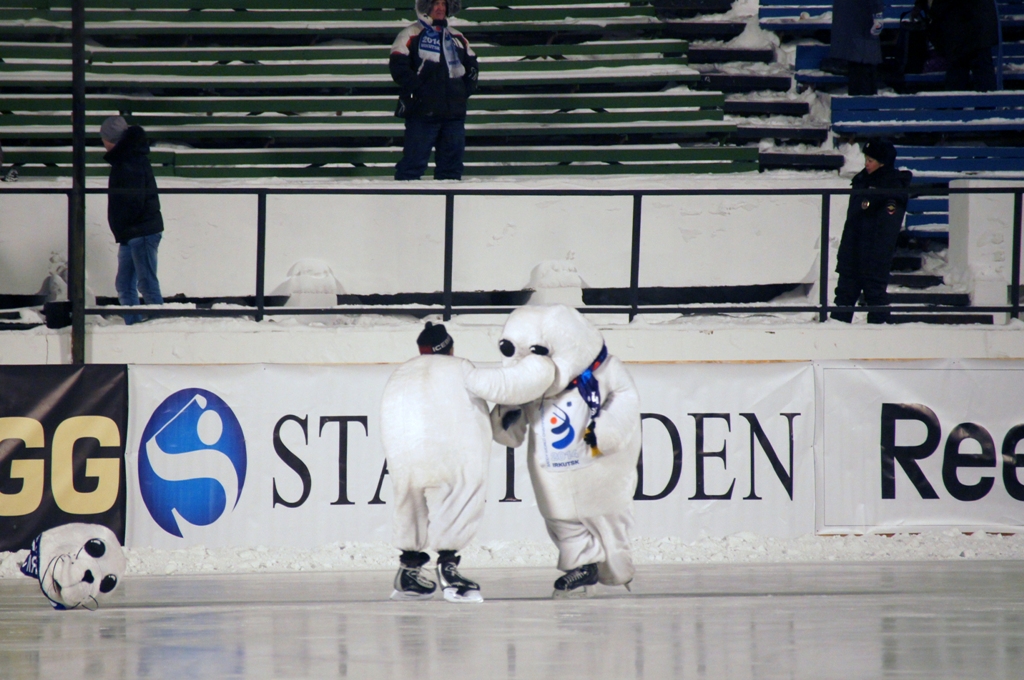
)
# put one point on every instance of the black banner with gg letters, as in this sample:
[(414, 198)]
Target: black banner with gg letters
[(62, 444)]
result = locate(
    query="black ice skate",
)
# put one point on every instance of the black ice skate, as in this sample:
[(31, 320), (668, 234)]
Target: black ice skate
[(579, 582), (410, 583), (456, 588)]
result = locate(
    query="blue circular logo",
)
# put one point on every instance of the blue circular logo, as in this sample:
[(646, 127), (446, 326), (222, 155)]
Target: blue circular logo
[(191, 460)]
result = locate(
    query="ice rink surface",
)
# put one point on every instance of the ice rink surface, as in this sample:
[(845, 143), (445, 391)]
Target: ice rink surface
[(948, 619)]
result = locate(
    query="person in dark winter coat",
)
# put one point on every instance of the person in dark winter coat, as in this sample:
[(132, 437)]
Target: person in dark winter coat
[(873, 223), (436, 71), (133, 212), (964, 33), (856, 25)]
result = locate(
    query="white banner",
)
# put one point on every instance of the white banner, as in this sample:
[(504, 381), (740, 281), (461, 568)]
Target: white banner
[(727, 448), (921, 445), (284, 455)]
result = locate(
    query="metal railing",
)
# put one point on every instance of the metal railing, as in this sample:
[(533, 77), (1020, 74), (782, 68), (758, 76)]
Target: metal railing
[(822, 309)]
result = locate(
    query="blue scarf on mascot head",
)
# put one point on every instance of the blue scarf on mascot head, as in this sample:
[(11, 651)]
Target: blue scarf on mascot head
[(437, 39)]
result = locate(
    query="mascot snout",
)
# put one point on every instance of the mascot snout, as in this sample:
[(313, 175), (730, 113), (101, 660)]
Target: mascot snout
[(521, 382)]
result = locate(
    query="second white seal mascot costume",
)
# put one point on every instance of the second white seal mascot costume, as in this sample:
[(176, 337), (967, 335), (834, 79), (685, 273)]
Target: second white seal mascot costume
[(584, 443), (436, 433)]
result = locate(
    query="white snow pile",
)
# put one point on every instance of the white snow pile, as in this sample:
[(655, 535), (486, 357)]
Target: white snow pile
[(742, 547)]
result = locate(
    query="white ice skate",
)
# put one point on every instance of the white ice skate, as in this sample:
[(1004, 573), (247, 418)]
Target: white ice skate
[(455, 586)]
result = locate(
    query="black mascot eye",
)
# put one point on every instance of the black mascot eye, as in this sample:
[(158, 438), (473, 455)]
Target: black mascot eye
[(507, 348), (539, 349), (95, 548), (108, 583)]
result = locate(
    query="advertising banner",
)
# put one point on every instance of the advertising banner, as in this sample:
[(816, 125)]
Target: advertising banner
[(920, 445), (727, 448), (290, 455), (62, 443)]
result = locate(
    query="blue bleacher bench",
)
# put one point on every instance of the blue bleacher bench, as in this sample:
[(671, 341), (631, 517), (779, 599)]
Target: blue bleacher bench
[(949, 112)]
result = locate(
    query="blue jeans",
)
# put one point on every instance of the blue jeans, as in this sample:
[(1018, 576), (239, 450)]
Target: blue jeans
[(136, 273), (421, 135)]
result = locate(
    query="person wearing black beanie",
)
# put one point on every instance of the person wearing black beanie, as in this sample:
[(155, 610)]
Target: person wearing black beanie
[(873, 222), (434, 339)]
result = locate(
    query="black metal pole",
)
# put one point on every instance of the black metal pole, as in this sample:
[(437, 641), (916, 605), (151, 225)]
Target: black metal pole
[(1015, 254), (261, 252), (823, 273), (449, 240), (76, 208), (634, 258)]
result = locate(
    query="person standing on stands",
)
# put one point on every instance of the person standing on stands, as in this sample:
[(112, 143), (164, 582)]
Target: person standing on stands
[(964, 33), (873, 223), (133, 212), (436, 71), (856, 25)]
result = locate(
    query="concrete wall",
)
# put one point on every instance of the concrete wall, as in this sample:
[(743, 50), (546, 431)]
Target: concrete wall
[(391, 244), (981, 240)]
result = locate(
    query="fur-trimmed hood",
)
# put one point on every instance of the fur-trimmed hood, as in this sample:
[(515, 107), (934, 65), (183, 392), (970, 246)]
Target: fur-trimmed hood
[(423, 7)]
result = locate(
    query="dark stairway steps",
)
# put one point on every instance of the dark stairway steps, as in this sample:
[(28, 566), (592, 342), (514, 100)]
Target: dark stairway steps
[(748, 132), (17, 326), (773, 160), (20, 301), (906, 263), (721, 55), (736, 82), (702, 30), (931, 298), (687, 9), (915, 280), (765, 107)]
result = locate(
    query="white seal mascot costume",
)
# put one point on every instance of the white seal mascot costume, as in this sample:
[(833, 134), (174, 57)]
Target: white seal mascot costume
[(584, 443), (436, 433)]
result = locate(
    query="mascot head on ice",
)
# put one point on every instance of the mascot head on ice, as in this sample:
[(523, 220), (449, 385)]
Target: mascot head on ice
[(77, 565)]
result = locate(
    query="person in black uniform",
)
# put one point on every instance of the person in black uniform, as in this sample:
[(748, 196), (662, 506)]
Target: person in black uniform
[(873, 223), (964, 32)]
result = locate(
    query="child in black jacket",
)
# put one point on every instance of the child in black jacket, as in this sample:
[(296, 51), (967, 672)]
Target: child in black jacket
[(873, 223)]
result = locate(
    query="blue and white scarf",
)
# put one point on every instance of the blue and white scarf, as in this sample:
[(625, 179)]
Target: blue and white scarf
[(588, 386), (433, 41)]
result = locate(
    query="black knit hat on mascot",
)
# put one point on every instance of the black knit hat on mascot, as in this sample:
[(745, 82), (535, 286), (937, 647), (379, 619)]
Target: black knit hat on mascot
[(423, 7), (434, 339), (882, 151)]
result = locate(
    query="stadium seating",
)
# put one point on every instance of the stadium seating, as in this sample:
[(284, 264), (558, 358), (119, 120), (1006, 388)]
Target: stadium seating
[(973, 115), (301, 88)]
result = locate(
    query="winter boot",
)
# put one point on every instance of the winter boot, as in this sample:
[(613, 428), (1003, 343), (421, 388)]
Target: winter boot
[(456, 587), (577, 583), (410, 583)]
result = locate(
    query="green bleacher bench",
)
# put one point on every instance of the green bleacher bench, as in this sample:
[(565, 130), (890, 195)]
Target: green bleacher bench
[(380, 161), (302, 88), (367, 18), (685, 114)]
